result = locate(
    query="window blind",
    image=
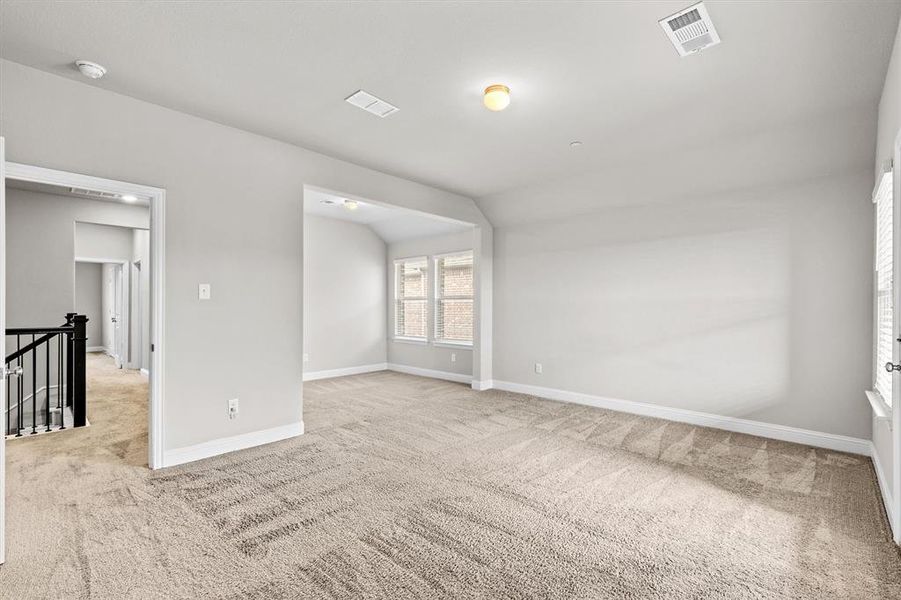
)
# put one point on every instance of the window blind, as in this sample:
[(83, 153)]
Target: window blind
[(411, 298), (453, 298), (884, 308)]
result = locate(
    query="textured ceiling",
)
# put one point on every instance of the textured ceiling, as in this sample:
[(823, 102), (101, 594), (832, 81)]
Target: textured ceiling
[(390, 224), (603, 73)]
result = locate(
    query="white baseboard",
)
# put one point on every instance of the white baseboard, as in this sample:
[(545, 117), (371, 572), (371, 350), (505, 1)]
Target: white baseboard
[(457, 377), (145, 372), (188, 454), (883, 486), (767, 430), (95, 349), (328, 374), (481, 386)]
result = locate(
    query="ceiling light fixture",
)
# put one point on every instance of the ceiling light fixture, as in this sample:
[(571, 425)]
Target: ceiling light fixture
[(351, 204), (497, 97), (90, 69), (130, 198)]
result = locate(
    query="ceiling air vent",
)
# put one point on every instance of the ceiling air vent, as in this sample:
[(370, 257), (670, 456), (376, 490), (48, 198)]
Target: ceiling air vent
[(94, 194), (690, 30), (370, 103)]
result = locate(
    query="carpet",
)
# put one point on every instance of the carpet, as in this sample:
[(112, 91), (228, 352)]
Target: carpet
[(407, 487)]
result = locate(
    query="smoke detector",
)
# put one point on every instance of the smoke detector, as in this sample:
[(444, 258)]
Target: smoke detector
[(371, 104), (690, 30), (90, 69)]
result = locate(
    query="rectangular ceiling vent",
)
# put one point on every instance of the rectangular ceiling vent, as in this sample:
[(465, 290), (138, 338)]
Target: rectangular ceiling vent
[(370, 103), (690, 30), (94, 194)]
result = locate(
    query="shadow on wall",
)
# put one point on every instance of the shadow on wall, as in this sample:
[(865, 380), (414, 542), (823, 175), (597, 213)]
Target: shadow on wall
[(751, 305)]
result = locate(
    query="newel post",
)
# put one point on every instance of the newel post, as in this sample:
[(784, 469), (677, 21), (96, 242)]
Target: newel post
[(79, 369)]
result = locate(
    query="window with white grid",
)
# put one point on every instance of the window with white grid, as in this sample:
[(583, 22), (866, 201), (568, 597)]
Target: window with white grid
[(453, 298), (411, 287), (884, 308)]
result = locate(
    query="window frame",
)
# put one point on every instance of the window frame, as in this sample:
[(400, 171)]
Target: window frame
[(882, 406), (436, 298), (409, 338)]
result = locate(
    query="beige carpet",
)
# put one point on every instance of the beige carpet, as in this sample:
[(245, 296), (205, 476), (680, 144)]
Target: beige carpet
[(405, 487)]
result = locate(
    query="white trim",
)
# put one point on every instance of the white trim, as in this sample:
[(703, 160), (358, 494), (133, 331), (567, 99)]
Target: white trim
[(407, 340), (883, 486), (457, 377), (330, 373), (767, 430), (881, 410), (95, 349), (481, 386), (157, 199), (179, 456), (455, 345), (89, 259), (145, 372)]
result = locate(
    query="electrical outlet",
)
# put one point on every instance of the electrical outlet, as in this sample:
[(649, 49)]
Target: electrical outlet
[(306, 357), (453, 357), (538, 368), (233, 408)]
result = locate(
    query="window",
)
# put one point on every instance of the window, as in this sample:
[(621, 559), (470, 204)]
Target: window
[(411, 298), (882, 379), (453, 298)]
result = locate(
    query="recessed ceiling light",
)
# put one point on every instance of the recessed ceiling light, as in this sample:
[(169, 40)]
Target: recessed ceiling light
[(497, 97), (351, 204), (90, 69), (130, 198), (576, 144)]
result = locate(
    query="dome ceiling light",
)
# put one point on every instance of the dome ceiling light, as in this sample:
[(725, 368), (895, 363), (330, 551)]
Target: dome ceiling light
[(497, 97)]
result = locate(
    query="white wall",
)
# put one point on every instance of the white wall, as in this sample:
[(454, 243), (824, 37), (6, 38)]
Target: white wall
[(98, 241), (426, 356), (751, 304), (40, 276), (343, 295), (888, 129), (233, 219), (88, 278)]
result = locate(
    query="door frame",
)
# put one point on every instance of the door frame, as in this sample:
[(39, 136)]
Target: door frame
[(157, 197), (121, 297), (3, 331)]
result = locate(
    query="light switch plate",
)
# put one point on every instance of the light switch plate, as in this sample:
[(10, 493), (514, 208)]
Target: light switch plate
[(203, 291)]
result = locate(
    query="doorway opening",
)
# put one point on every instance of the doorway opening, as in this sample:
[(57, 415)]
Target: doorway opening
[(109, 276), (387, 288)]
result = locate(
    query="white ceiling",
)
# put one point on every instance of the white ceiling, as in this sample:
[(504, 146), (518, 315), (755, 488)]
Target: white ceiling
[(390, 224), (602, 72)]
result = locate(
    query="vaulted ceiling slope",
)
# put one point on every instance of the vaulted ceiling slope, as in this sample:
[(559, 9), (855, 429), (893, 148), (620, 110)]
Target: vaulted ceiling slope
[(603, 73)]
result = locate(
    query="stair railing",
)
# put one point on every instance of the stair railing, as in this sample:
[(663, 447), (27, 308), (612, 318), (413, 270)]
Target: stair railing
[(60, 353)]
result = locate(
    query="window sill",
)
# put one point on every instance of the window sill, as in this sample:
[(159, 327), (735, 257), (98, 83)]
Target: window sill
[(880, 409), (461, 345), (415, 341)]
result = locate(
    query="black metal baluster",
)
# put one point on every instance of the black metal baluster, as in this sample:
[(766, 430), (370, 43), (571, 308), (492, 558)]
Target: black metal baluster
[(47, 385), (20, 419), (34, 388), (59, 379)]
